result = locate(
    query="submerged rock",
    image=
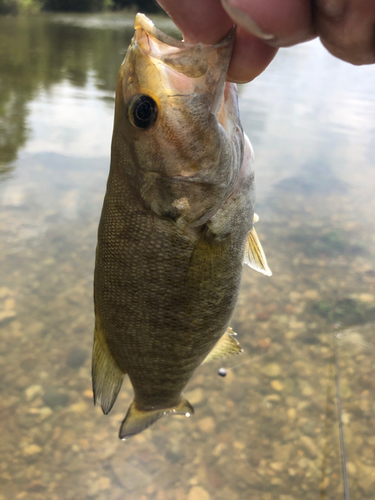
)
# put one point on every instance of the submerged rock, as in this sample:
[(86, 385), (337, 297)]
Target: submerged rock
[(54, 397)]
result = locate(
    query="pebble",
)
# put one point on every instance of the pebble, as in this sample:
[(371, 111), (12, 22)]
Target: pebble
[(309, 446), (31, 449), (366, 297), (277, 385), (262, 316), (311, 295), (292, 413), (33, 391), (271, 370), (352, 468), (198, 493), (264, 343), (291, 335), (195, 396), (238, 445), (45, 412), (5, 292), (6, 316), (207, 425), (219, 448), (294, 296), (277, 466), (9, 304), (80, 407), (307, 390)]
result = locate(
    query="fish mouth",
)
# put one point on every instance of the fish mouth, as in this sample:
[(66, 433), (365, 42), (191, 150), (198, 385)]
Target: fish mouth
[(192, 60), (142, 22)]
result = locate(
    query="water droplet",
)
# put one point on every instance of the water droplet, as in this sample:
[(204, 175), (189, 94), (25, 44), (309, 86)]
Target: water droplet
[(187, 414)]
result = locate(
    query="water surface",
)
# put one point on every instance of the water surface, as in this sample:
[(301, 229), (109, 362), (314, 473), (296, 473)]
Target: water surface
[(269, 429)]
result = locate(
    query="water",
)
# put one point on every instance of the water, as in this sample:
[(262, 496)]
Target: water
[(269, 429)]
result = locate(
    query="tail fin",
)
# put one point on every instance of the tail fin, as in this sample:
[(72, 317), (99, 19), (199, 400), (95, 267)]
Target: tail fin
[(137, 420)]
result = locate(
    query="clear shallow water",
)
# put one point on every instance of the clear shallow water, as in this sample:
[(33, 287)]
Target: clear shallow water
[(266, 431)]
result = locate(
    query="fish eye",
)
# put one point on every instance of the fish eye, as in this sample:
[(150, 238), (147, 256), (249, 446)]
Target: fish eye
[(142, 111)]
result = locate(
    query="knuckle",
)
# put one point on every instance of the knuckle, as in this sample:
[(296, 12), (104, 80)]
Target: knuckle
[(349, 35), (357, 55), (332, 9)]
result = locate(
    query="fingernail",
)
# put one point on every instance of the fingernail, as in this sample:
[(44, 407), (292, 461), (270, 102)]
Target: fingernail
[(245, 21)]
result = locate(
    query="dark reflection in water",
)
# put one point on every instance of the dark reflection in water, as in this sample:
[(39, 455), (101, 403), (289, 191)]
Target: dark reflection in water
[(266, 431), (39, 52)]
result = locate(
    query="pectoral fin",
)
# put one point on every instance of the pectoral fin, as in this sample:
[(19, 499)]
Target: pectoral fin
[(106, 375), (254, 254), (137, 420), (226, 346)]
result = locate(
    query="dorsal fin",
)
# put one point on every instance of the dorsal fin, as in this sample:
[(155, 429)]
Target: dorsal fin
[(106, 375), (137, 420), (226, 346), (254, 255)]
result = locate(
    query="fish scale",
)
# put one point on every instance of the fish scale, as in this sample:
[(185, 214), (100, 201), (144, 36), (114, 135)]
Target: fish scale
[(175, 225)]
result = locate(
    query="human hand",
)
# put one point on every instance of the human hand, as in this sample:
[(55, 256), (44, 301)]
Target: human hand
[(346, 28)]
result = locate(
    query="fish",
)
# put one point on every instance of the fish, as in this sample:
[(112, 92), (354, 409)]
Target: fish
[(177, 224)]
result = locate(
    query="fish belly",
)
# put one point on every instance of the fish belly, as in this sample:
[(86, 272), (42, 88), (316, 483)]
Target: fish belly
[(163, 296)]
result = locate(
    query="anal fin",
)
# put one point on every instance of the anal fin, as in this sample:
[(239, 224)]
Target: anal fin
[(137, 420), (254, 255), (226, 346), (106, 375)]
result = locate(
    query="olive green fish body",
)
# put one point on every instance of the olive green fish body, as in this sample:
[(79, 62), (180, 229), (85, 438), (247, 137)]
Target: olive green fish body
[(176, 218), (164, 296)]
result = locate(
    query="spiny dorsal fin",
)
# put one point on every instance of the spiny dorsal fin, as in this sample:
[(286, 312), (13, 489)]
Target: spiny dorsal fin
[(137, 420), (254, 255), (226, 346), (106, 375)]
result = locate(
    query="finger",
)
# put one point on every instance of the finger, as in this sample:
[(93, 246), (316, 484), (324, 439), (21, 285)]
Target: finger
[(279, 23), (250, 57), (347, 29), (206, 21), (199, 20)]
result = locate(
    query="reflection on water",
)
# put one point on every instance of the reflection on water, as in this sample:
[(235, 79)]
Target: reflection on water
[(266, 431)]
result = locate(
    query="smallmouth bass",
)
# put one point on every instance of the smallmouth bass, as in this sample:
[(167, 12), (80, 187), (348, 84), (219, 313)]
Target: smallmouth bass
[(176, 225)]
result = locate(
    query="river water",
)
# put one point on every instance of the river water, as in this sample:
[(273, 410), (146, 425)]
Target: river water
[(269, 429)]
